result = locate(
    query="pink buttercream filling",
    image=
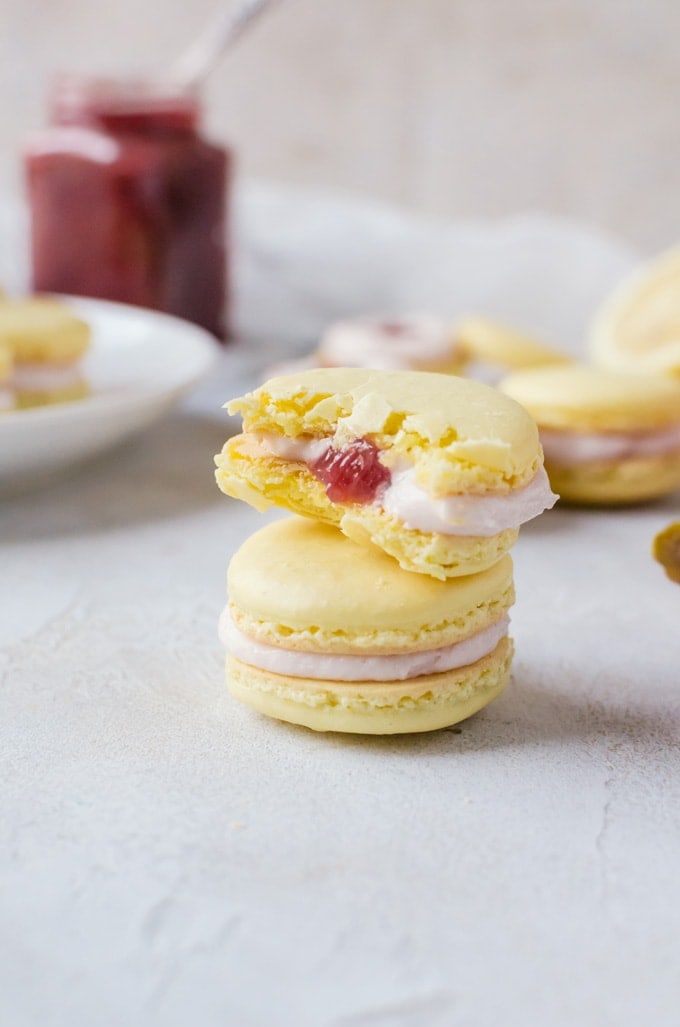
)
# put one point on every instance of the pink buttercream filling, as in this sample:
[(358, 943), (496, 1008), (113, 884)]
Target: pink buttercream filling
[(573, 447), (333, 667), (410, 342), (46, 376)]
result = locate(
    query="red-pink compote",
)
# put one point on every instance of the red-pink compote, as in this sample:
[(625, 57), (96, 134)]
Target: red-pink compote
[(128, 201), (352, 474)]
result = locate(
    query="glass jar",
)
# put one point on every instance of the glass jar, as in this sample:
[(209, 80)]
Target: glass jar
[(128, 201)]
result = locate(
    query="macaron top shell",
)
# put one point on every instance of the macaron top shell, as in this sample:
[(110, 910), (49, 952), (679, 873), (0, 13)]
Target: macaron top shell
[(580, 398), (304, 585), (458, 434), (42, 330), (489, 342)]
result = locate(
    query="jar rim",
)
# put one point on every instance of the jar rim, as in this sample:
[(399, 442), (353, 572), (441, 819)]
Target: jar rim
[(73, 91)]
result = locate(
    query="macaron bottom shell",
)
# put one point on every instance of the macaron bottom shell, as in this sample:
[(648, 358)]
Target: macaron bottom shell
[(424, 703), (606, 483), (440, 556), (26, 399)]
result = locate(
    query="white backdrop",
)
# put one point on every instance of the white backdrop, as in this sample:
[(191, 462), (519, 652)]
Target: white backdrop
[(474, 108)]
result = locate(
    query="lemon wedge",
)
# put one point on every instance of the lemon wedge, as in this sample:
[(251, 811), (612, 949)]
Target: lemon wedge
[(637, 328)]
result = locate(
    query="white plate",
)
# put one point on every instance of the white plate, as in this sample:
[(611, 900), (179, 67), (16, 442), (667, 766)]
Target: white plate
[(140, 364)]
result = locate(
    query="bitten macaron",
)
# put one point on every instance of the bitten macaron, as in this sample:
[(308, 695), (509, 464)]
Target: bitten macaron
[(47, 341), (335, 636), (608, 437), (437, 471)]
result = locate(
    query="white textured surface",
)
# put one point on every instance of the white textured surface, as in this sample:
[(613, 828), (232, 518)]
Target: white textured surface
[(171, 858)]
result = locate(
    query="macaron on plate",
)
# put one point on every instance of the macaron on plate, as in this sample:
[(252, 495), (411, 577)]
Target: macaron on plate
[(608, 437), (47, 341), (335, 636), (139, 364), (437, 471)]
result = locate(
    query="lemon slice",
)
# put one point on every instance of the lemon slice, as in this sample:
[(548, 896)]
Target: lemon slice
[(638, 327), (488, 342)]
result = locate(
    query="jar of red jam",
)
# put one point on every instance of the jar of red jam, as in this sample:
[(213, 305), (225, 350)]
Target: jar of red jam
[(128, 201)]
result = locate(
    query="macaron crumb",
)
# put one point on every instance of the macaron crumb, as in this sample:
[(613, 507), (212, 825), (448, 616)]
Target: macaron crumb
[(666, 549)]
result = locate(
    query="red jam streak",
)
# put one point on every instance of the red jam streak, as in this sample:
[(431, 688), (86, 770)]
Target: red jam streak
[(352, 474)]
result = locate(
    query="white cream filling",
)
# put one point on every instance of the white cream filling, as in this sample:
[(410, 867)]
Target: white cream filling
[(460, 514), (388, 344), (302, 449), (331, 667), (573, 447), (46, 376)]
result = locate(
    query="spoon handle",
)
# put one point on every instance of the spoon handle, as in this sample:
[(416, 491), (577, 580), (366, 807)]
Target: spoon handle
[(198, 60)]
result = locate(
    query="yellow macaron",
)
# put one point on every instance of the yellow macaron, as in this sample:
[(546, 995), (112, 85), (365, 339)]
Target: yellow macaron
[(6, 368), (637, 327), (494, 349), (437, 471), (47, 341), (407, 342), (608, 437), (335, 636)]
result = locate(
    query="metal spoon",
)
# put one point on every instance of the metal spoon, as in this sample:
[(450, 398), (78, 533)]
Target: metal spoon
[(198, 60)]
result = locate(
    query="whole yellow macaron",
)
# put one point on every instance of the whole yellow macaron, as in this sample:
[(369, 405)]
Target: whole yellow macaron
[(408, 342), (328, 634), (437, 471), (494, 349), (47, 341), (607, 437)]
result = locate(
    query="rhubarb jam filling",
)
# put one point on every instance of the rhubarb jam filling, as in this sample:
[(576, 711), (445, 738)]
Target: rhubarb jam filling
[(353, 473)]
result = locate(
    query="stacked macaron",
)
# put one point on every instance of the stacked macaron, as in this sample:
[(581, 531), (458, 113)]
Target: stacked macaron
[(383, 607)]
